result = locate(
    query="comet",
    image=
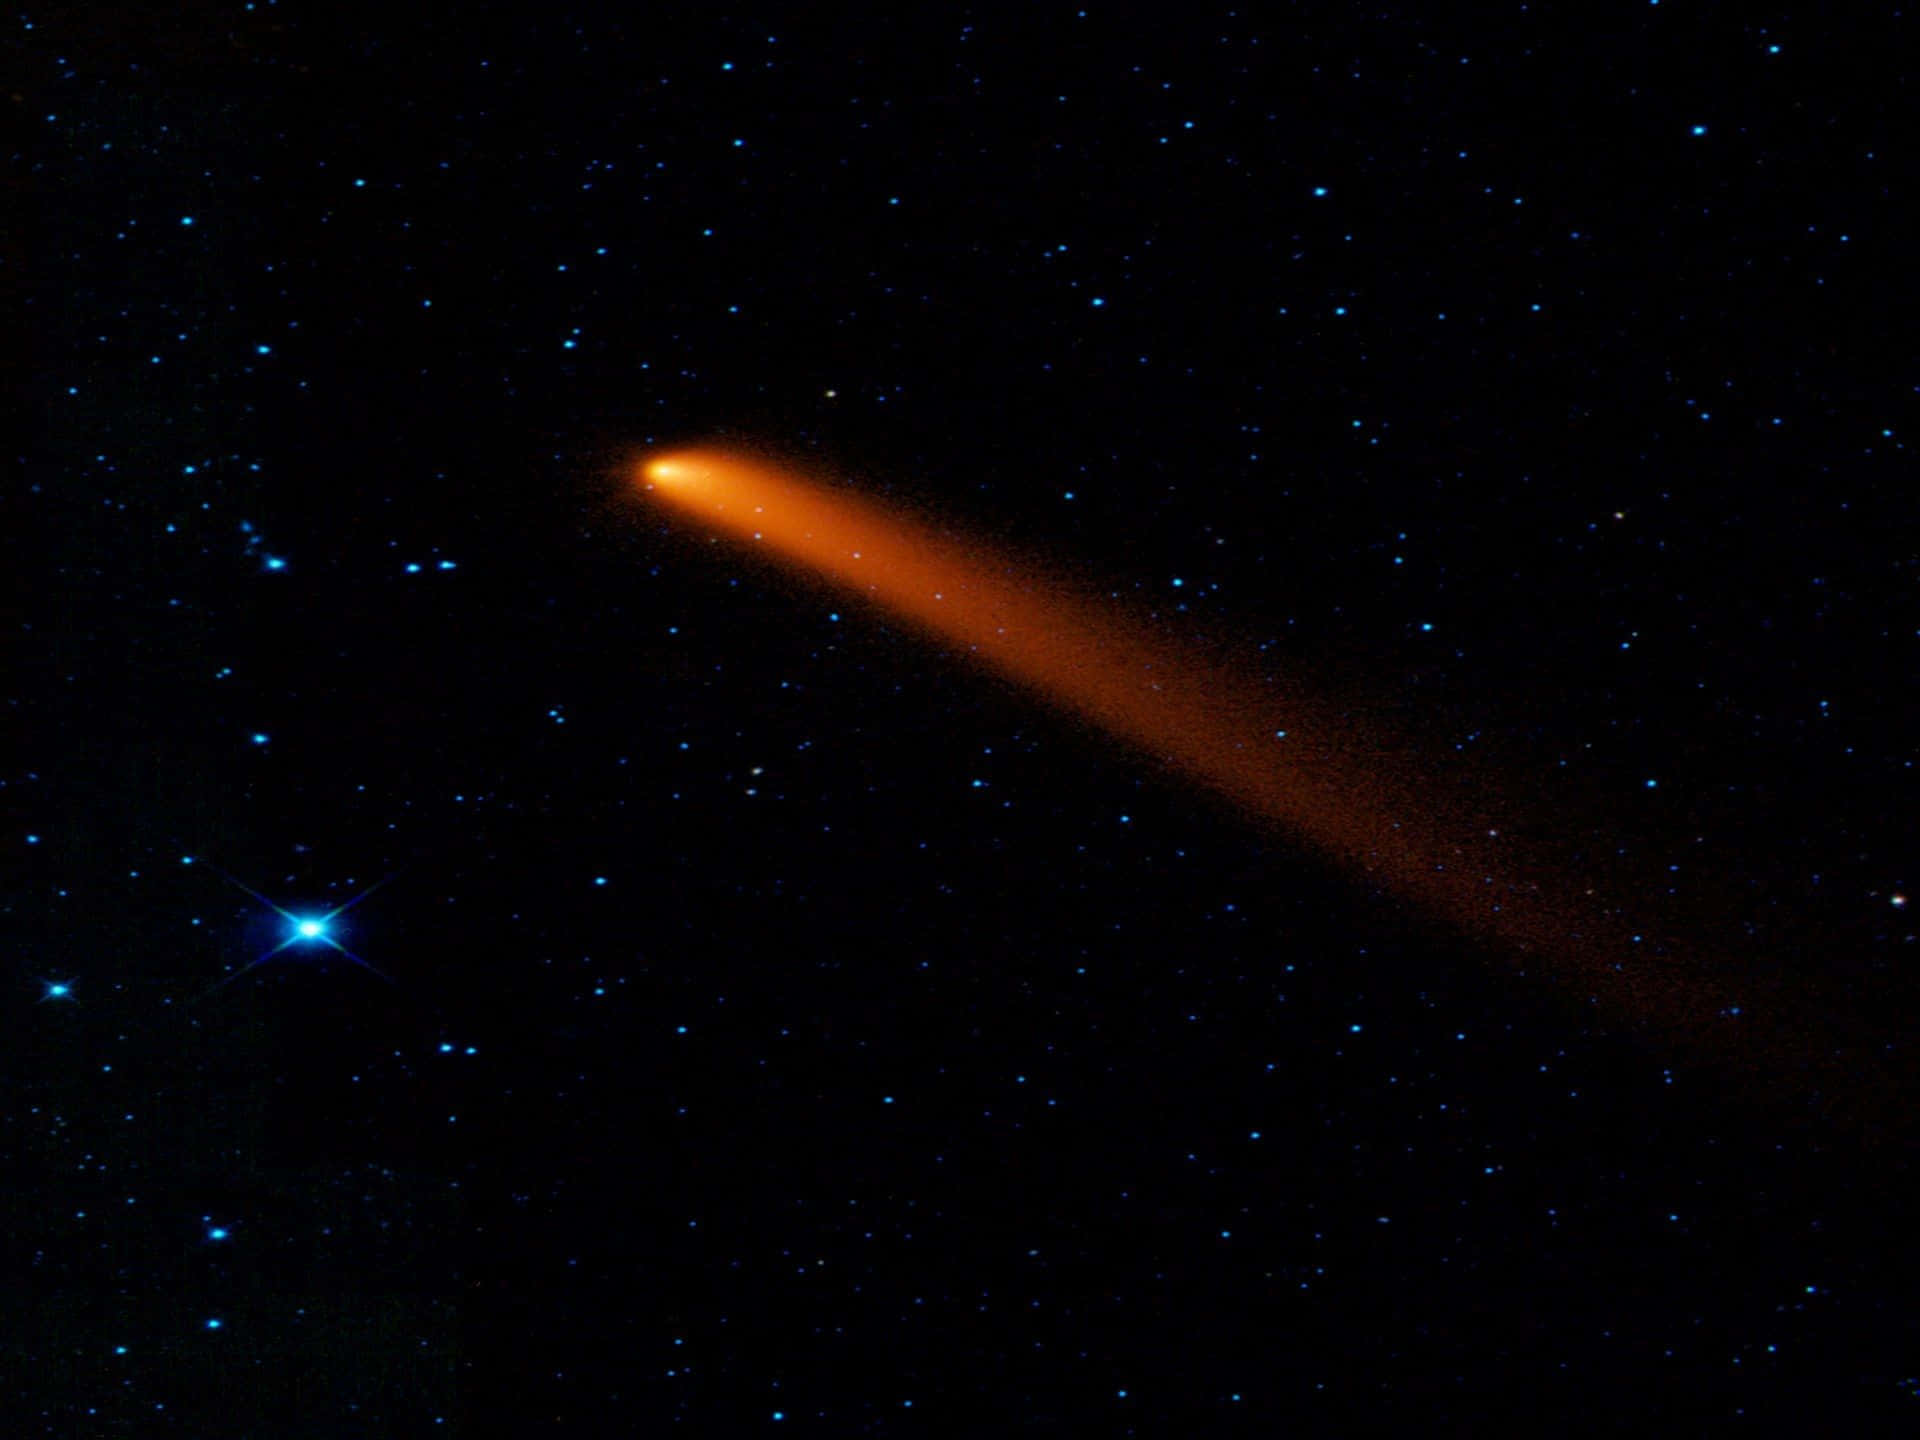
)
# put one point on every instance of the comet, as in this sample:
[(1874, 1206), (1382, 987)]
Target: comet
[(1293, 760)]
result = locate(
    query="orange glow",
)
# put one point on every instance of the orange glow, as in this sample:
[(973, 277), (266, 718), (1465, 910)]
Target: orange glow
[(1040, 634), (1316, 772)]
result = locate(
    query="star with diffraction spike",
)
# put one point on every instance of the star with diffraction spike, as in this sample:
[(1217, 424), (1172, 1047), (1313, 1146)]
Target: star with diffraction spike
[(303, 930)]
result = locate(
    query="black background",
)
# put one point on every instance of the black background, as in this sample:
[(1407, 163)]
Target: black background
[(786, 1018)]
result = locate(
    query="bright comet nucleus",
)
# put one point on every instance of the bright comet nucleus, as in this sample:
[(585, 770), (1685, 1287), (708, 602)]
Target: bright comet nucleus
[(677, 473)]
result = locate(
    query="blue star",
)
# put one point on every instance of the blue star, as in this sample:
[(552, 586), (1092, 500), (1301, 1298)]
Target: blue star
[(302, 930)]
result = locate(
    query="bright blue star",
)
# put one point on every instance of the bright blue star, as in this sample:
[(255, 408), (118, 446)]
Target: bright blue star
[(302, 930)]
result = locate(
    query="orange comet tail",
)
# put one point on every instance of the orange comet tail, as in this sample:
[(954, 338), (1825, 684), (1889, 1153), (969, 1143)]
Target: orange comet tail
[(1314, 774), (1041, 635)]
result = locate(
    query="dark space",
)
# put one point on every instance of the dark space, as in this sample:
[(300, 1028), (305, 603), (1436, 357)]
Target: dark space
[(748, 1017)]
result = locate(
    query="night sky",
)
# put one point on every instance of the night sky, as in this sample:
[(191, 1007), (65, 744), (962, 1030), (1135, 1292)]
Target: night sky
[(726, 1008)]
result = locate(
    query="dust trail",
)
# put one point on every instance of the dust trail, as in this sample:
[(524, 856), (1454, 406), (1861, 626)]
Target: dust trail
[(1309, 769)]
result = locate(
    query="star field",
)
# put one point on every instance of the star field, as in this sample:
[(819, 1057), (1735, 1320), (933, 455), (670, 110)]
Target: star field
[(490, 957)]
